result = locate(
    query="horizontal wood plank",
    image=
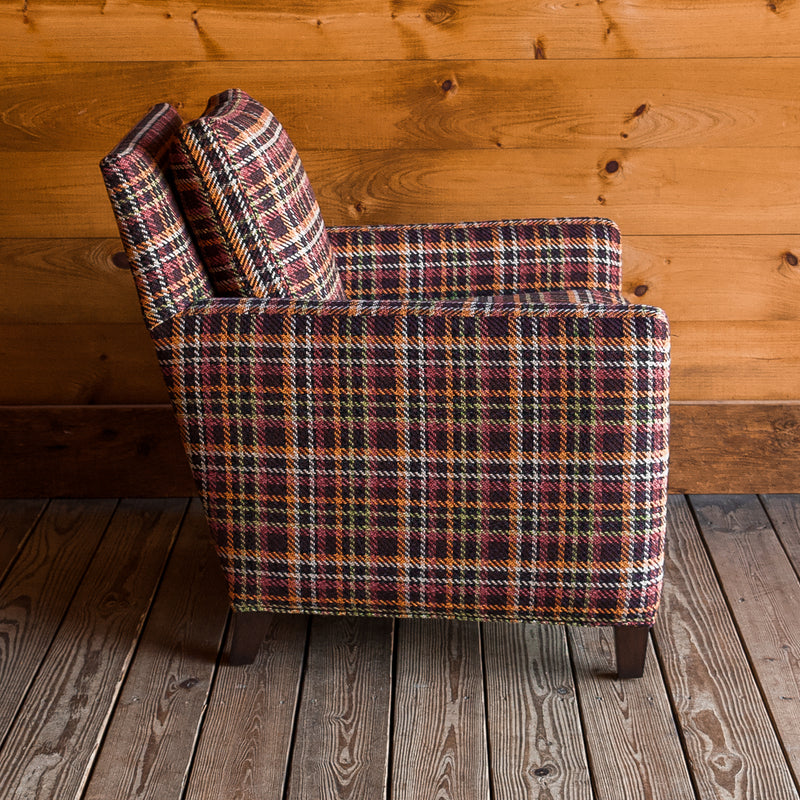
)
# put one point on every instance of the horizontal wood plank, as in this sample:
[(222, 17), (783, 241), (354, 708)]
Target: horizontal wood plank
[(748, 360), (249, 30), (728, 736), (79, 364), (93, 451), (714, 278), (108, 451), (734, 447), (379, 105), (666, 191), (690, 277), (52, 745), (763, 594), (65, 280)]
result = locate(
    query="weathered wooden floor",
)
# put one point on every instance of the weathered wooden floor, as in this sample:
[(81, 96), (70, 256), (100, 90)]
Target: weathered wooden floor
[(114, 681)]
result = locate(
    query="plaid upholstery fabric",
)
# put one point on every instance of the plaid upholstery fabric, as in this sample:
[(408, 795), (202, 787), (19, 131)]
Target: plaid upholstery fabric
[(480, 432), (476, 459), (393, 262), (250, 204), (166, 267)]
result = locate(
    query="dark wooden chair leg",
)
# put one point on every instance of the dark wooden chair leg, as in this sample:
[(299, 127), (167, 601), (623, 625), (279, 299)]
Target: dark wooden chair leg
[(249, 630), (630, 644)]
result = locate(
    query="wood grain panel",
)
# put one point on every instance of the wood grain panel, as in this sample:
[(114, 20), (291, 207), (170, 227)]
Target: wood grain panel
[(719, 278), (764, 597), (93, 451), (734, 447), (341, 747), (37, 592), (341, 105), (79, 364), (631, 714), (691, 277), (52, 745), (358, 29), (65, 280), (116, 364), (732, 747), (735, 361), (256, 701), (656, 191), (149, 744), (439, 736), (536, 745)]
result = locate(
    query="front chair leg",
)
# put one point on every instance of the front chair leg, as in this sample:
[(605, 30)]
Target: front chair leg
[(249, 630), (630, 644)]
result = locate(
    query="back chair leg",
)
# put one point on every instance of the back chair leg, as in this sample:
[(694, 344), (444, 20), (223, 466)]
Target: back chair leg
[(630, 644), (249, 630)]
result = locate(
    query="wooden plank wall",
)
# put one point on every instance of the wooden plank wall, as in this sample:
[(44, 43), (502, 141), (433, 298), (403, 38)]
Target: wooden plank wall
[(681, 121)]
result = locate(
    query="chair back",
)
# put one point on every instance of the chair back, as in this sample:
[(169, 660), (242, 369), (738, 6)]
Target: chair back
[(166, 266)]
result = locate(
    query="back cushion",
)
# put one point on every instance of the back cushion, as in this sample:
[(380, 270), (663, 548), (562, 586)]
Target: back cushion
[(250, 205)]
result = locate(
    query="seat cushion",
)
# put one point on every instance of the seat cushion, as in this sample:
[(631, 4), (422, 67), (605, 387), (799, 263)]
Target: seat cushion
[(250, 205)]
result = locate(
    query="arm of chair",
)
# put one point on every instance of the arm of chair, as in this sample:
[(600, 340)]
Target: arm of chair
[(477, 258), (523, 445)]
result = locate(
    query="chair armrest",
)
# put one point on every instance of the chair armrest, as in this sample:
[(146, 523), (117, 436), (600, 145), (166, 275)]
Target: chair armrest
[(477, 258), (378, 455)]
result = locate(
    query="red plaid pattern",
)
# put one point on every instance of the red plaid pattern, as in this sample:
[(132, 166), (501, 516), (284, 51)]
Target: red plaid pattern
[(166, 267), (477, 459), (250, 204), (465, 259), (480, 432)]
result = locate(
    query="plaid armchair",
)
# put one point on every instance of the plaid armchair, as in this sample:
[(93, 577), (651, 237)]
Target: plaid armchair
[(464, 421)]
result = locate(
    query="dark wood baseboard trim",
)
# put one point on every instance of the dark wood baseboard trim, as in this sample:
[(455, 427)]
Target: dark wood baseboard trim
[(92, 451), (734, 448), (135, 451)]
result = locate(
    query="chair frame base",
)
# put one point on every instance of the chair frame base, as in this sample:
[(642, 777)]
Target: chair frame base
[(250, 629)]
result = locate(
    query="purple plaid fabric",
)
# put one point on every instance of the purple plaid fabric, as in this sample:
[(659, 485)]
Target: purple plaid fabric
[(166, 267), (480, 431), (477, 459), (250, 204), (393, 262)]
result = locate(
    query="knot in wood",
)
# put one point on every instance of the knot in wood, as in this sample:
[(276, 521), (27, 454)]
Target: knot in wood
[(439, 13), (612, 166), (641, 290), (120, 261)]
